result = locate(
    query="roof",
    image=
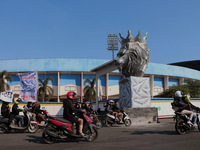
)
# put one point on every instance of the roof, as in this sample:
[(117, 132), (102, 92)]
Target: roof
[(194, 64)]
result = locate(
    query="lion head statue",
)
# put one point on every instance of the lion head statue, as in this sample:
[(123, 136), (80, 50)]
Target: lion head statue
[(133, 57)]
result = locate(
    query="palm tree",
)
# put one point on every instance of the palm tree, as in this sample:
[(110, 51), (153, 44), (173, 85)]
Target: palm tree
[(89, 90), (4, 78), (45, 92)]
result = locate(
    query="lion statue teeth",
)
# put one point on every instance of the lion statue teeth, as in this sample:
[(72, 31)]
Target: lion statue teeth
[(133, 57)]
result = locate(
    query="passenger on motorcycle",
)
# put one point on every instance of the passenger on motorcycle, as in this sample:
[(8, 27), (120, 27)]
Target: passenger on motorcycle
[(192, 107), (36, 109), (16, 110), (119, 111), (110, 109), (69, 110), (179, 105), (29, 107), (85, 106), (5, 111)]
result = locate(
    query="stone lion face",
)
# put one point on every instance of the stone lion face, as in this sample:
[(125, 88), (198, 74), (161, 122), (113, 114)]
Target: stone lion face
[(132, 59)]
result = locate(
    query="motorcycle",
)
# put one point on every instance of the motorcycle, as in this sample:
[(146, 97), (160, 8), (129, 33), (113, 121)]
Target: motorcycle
[(29, 123), (110, 119), (59, 128), (182, 126), (96, 119)]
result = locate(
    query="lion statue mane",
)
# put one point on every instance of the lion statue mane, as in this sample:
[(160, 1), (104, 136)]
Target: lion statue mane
[(133, 57)]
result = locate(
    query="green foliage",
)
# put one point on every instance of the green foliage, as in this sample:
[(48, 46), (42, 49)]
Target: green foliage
[(45, 92), (89, 90), (191, 87), (4, 78)]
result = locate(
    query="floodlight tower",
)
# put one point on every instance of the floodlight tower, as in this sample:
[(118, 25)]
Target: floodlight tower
[(112, 42)]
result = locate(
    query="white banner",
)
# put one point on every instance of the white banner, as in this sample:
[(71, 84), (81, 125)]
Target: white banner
[(7, 96), (29, 86)]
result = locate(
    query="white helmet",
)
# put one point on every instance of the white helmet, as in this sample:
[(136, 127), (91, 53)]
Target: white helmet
[(111, 101), (178, 94)]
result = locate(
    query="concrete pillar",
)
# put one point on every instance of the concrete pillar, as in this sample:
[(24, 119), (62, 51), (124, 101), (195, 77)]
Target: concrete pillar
[(97, 92), (166, 80), (81, 89), (58, 97), (181, 81), (151, 85), (106, 85)]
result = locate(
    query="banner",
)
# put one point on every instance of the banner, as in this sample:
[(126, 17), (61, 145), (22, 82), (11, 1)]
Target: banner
[(29, 86), (7, 96)]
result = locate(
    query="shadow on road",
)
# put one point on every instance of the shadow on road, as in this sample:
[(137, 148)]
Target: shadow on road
[(153, 132)]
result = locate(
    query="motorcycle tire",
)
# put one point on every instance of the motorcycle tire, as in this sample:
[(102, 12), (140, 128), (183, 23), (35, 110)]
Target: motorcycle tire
[(107, 124), (32, 128), (99, 124), (127, 122), (47, 138), (91, 135), (3, 128), (180, 127)]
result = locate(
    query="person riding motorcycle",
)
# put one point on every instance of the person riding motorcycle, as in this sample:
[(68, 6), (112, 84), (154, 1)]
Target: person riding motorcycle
[(111, 110), (192, 107), (119, 111), (69, 110), (5, 112), (36, 109), (179, 105), (16, 110)]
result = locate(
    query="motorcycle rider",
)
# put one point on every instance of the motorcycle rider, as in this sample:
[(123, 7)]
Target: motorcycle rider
[(192, 108), (36, 109), (5, 112), (179, 105), (69, 110), (118, 110), (16, 110), (110, 109)]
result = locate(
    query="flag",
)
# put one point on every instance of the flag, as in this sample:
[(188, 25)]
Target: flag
[(29, 86)]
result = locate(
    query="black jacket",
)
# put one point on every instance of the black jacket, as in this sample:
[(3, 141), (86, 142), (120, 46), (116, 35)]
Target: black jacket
[(15, 110), (69, 109), (4, 109)]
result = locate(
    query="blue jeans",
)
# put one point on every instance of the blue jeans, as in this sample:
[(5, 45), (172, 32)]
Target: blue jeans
[(194, 118), (20, 118)]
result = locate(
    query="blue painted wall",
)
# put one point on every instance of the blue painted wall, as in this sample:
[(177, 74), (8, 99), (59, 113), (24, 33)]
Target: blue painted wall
[(173, 82), (158, 81), (70, 79), (114, 79)]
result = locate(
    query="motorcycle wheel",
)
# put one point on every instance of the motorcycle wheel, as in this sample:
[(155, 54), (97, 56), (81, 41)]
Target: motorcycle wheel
[(127, 122), (32, 128), (2, 128), (91, 135), (99, 124), (107, 124), (180, 127), (199, 126), (47, 138)]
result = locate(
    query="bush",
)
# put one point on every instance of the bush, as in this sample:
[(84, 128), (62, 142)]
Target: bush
[(191, 87)]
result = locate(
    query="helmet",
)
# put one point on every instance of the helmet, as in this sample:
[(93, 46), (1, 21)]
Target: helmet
[(187, 98), (71, 95), (111, 101), (17, 100), (178, 94)]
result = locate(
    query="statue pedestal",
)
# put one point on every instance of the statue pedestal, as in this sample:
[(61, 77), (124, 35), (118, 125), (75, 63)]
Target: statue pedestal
[(134, 92)]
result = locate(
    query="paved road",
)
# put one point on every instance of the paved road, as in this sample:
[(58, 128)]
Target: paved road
[(161, 136)]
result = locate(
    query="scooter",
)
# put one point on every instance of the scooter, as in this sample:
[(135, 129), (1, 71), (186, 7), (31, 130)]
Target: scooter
[(110, 119), (182, 126), (59, 128), (29, 123)]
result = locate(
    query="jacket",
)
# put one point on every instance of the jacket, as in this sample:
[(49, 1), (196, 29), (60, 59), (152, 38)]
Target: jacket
[(69, 109), (4, 109), (15, 110)]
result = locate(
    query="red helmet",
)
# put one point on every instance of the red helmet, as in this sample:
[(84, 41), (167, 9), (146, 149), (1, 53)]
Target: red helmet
[(71, 95)]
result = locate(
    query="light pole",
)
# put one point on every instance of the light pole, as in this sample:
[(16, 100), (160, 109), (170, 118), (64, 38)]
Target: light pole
[(112, 42)]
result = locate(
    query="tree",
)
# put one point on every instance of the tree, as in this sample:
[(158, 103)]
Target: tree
[(191, 87), (89, 90), (4, 78), (45, 92)]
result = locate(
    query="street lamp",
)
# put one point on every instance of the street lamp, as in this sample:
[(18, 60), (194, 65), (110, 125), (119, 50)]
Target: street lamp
[(112, 42)]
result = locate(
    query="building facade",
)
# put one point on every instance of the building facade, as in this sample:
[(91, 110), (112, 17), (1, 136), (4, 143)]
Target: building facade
[(70, 74)]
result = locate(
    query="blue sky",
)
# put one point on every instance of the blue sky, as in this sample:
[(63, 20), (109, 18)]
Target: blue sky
[(79, 28)]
